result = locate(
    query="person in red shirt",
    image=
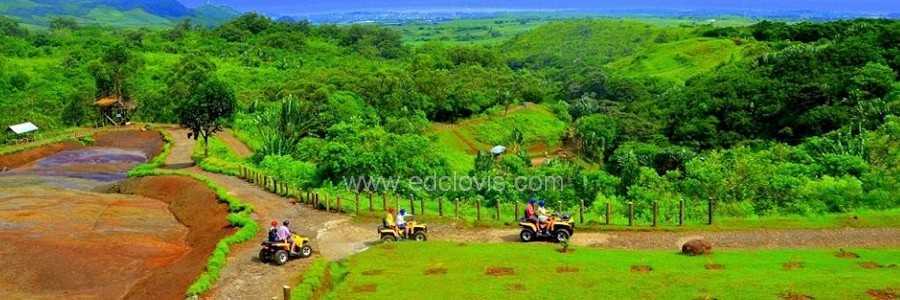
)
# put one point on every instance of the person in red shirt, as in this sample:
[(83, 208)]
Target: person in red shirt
[(530, 215)]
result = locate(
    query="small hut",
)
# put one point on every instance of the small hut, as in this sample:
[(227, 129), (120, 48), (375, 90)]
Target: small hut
[(22, 133), (115, 110)]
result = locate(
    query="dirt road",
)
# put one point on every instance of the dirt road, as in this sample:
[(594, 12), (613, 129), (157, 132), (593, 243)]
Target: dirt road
[(244, 277)]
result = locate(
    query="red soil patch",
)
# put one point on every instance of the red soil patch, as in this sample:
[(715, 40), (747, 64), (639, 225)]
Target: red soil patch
[(845, 254), (365, 288), (436, 271), (885, 294), (792, 265), (516, 287), (499, 271), (794, 296), (714, 267), (870, 265), (566, 269), (22, 158), (373, 272), (198, 208), (641, 269)]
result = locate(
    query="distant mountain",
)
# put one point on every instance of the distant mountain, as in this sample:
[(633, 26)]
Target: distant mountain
[(122, 13)]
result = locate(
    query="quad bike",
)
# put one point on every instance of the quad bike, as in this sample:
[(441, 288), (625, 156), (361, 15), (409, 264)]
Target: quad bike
[(280, 252), (561, 229), (419, 233)]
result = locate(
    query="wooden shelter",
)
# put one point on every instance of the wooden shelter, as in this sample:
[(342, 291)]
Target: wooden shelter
[(115, 110), (22, 133)]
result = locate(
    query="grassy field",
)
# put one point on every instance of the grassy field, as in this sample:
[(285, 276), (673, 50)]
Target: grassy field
[(438, 270), (678, 61), (459, 143), (471, 31)]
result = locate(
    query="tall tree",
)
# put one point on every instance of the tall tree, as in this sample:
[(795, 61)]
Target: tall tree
[(207, 111)]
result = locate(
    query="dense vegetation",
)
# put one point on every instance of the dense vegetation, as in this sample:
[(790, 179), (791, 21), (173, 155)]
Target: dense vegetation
[(771, 118)]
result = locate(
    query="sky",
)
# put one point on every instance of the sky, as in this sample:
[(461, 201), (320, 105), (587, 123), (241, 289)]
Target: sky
[(299, 7)]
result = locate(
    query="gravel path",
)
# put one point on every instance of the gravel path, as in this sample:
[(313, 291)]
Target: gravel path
[(335, 237), (244, 277)]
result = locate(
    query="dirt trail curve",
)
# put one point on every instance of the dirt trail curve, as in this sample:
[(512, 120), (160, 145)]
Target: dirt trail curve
[(336, 237), (244, 277)]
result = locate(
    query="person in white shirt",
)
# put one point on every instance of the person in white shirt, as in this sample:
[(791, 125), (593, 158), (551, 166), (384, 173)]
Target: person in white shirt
[(401, 222)]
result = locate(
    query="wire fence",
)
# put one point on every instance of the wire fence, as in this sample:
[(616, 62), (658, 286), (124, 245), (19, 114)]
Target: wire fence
[(474, 210)]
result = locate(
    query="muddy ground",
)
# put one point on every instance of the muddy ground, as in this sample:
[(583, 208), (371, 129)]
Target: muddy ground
[(62, 235)]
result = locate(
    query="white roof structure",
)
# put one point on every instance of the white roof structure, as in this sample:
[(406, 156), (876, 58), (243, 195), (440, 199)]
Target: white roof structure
[(497, 150), (23, 128)]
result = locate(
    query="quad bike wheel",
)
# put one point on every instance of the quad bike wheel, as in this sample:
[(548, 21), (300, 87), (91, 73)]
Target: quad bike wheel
[(388, 238), (264, 256), (305, 251), (281, 257), (561, 235), (526, 235), (419, 237)]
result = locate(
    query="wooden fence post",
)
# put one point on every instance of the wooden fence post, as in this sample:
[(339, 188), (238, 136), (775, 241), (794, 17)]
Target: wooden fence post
[(422, 206), (498, 210), (681, 213), (710, 210), (357, 203), (383, 201), (287, 292), (581, 212), (478, 209), (516, 214), (315, 202), (265, 183), (412, 206), (371, 209), (655, 212), (337, 207), (608, 211), (456, 209), (440, 206), (630, 213)]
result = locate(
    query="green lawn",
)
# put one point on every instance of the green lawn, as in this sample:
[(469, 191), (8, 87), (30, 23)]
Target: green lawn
[(539, 271)]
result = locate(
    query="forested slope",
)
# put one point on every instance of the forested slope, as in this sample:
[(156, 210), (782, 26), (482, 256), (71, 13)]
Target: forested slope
[(771, 118)]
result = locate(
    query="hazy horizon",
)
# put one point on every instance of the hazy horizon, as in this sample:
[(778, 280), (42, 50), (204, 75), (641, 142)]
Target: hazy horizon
[(323, 6)]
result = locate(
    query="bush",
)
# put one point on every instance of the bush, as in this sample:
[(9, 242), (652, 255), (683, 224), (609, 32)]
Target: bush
[(828, 194), (285, 168)]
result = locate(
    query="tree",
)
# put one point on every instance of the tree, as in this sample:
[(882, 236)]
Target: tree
[(10, 27), (191, 71), (597, 134), (206, 112), (114, 69), (61, 23)]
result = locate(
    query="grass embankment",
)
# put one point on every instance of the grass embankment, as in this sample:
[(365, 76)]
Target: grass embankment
[(43, 139), (540, 271), (239, 216)]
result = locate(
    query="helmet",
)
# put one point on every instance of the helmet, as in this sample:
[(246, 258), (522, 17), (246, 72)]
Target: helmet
[(274, 223), (541, 203), (531, 201), (402, 211), (286, 222)]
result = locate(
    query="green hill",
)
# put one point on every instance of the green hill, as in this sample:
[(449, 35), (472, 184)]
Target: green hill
[(680, 60), (590, 42), (117, 13), (458, 143)]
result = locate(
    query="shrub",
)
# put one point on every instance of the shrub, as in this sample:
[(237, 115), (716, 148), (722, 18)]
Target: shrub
[(828, 194)]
